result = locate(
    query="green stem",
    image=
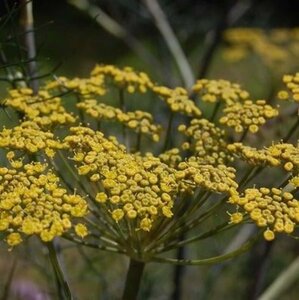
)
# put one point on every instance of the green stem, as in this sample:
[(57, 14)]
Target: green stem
[(292, 130), (80, 110), (219, 228), (92, 245), (247, 175), (7, 285), (243, 136), (123, 108), (208, 261), (133, 280), (250, 175), (168, 132), (215, 111), (58, 272), (138, 141)]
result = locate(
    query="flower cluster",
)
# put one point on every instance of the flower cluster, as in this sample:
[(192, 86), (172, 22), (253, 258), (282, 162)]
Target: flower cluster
[(84, 87), (100, 111), (294, 182), (272, 209), (253, 156), (177, 100), (271, 48), (206, 141), (134, 187), (139, 121), (283, 154), (125, 78), (30, 138), (171, 157), (44, 109), (248, 115), (130, 193), (33, 203), (292, 85), (219, 90), (192, 174), (287, 154)]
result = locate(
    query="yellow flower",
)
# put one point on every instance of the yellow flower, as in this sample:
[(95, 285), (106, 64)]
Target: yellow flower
[(81, 230), (14, 239), (32, 202), (247, 115), (220, 90), (236, 218), (265, 207)]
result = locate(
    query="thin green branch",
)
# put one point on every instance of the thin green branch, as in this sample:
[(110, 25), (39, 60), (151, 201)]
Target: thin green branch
[(292, 131), (59, 272), (219, 228), (243, 136), (7, 285), (168, 132), (92, 245), (208, 261), (215, 111)]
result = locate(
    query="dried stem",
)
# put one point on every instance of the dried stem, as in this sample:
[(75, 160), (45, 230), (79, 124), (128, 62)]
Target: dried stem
[(27, 26), (116, 29), (171, 41), (282, 282)]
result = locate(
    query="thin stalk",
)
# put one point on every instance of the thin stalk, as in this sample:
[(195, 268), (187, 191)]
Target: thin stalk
[(8, 72), (133, 280), (80, 110), (247, 175), (171, 41), (257, 172), (215, 111), (163, 230), (138, 141), (168, 132), (292, 131), (105, 234), (27, 25), (220, 228), (92, 245), (243, 136), (198, 220), (96, 13), (58, 272), (257, 268), (208, 261), (14, 40), (213, 40), (7, 285), (250, 175), (201, 198), (164, 226), (229, 16), (282, 282), (122, 106)]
